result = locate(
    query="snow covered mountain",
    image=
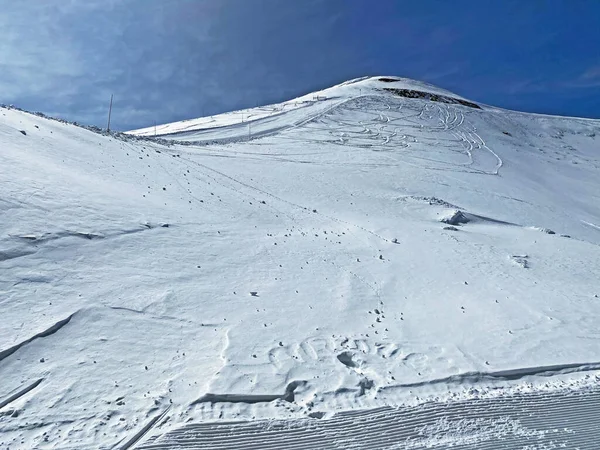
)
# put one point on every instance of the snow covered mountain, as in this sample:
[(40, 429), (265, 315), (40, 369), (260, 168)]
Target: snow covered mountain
[(379, 243)]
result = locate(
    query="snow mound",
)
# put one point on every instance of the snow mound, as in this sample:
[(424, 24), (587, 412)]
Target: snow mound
[(455, 217)]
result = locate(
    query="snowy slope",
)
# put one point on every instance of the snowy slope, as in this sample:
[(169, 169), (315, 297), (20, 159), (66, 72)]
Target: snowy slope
[(267, 120), (295, 268)]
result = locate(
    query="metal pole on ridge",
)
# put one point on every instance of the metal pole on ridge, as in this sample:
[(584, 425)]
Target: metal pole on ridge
[(109, 113)]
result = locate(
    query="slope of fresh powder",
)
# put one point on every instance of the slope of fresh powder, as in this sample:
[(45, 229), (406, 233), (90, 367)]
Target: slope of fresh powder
[(360, 246)]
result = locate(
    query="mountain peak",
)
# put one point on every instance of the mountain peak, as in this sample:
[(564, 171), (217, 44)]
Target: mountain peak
[(275, 117)]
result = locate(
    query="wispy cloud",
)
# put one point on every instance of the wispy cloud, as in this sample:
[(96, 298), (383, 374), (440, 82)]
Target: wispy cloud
[(33, 57), (592, 73), (589, 78), (443, 73), (516, 87), (42, 59), (69, 56)]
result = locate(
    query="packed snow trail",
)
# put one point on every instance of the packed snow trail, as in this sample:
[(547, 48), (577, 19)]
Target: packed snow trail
[(533, 421)]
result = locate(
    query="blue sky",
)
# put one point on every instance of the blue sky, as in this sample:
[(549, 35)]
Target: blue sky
[(168, 60)]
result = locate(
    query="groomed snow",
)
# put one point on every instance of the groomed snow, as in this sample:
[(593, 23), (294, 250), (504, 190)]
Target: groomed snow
[(348, 249)]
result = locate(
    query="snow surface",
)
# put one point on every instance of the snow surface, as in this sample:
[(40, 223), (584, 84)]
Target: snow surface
[(346, 250)]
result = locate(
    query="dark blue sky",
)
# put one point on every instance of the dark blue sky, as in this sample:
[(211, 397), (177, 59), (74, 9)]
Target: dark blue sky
[(168, 60)]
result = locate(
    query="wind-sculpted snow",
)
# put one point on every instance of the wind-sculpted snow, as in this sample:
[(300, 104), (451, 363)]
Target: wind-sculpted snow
[(316, 277)]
